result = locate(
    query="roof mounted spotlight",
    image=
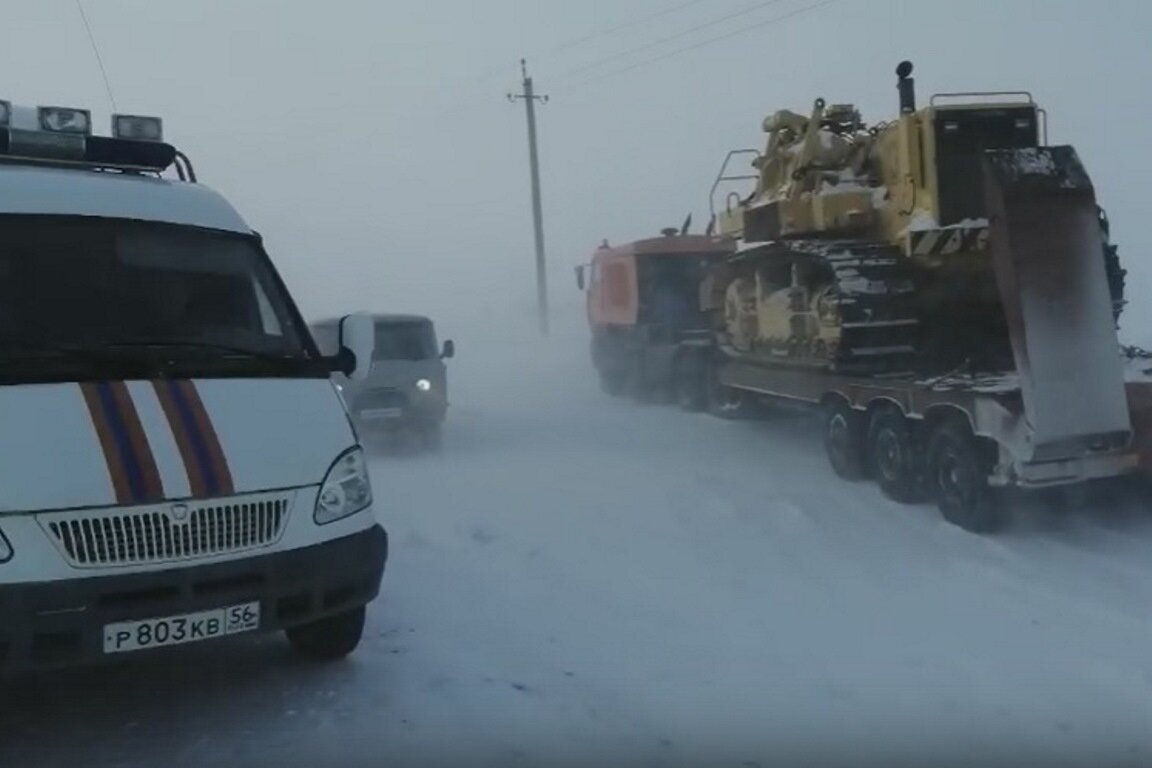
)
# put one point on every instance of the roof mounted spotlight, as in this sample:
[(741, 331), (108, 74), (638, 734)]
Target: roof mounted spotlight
[(137, 127), (63, 135), (65, 120)]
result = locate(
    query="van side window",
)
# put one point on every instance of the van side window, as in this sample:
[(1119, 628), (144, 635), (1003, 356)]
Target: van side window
[(268, 317), (327, 339)]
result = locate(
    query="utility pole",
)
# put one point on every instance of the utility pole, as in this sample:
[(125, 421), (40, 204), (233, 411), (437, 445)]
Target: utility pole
[(530, 98)]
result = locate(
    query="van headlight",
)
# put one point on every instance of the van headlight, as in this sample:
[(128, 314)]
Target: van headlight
[(423, 385), (5, 549), (346, 489)]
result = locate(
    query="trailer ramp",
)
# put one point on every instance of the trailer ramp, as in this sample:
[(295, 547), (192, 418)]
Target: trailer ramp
[(1047, 252)]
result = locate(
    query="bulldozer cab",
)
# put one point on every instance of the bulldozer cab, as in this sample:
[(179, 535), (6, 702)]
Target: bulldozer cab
[(932, 158), (958, 135)]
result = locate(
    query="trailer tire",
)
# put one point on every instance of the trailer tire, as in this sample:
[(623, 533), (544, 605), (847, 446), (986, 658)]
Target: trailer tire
[(844, 439), (958, 469), (689, 383), (895, 456)]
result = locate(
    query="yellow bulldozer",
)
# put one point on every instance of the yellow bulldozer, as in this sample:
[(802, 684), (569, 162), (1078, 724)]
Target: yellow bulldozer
[(947, 237)]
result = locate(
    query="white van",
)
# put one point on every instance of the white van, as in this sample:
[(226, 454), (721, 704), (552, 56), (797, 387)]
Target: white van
[(407, 386), (175, 463)]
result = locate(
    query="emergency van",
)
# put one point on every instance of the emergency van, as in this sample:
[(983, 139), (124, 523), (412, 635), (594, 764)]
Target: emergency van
[(176, 465)]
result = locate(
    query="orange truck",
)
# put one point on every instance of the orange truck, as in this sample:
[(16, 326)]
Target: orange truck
[(643, 303)]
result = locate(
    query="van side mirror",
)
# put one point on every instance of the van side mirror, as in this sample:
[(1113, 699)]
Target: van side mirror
[(580, 277), (449, 350), (357, 342)]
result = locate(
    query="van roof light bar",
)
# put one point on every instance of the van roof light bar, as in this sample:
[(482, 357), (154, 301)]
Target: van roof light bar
[(56, 135)]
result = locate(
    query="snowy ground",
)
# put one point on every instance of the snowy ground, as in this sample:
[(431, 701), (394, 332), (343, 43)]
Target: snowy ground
[(576, 576)]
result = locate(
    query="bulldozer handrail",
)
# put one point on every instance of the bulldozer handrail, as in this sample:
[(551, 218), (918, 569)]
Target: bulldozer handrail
[(970, 94), (720, 177), (728, 206)]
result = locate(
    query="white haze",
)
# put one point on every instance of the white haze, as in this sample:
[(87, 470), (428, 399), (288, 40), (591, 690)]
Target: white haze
[(576, 573), (373, 146)]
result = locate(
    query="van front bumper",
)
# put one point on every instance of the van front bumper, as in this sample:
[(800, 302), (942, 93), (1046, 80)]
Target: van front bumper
[(61, 623), (410, 417)]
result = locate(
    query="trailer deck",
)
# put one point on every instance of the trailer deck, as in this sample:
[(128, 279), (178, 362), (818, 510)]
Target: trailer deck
[(991, 403)]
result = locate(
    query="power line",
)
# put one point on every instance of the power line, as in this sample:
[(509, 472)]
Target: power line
[(593, 36), (709, 41), (99, 58), (620, 27), (670, 38)]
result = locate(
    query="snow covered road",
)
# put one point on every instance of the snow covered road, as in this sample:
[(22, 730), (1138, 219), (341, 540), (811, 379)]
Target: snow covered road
[(577, 576)]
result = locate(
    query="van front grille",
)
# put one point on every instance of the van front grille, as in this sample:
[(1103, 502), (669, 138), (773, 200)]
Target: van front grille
[(381, 398), (167, 533)]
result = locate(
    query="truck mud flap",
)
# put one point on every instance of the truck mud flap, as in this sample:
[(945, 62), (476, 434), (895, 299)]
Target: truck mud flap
[(1048, 255)]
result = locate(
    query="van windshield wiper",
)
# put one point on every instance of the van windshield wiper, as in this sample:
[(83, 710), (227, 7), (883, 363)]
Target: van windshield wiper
[(50, 351), (205, 346)]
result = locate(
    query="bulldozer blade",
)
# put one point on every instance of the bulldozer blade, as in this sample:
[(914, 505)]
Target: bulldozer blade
[(1048, 255)]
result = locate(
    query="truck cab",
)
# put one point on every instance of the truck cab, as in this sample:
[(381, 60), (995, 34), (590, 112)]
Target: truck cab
[(177, 466), (406, 388), (643, 300)]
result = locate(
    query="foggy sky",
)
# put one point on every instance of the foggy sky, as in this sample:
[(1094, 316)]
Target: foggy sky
[(373, 146)]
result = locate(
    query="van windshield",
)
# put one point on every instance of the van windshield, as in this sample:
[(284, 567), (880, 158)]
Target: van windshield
[(202, 299), (409, 340)]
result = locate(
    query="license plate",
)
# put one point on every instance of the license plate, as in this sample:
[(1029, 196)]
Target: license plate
[(177, 630), (381, 413)]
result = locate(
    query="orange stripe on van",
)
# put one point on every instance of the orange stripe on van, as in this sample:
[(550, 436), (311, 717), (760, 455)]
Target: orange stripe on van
[(127, 453), (204, 461)]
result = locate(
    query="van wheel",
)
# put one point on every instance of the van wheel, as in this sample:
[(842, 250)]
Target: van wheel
[(958, 469), (844, 438), (432, 437), (330, 638), (895, 456)]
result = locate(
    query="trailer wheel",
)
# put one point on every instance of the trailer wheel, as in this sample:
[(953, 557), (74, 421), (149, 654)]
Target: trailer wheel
[(844, 437), (958, 469), (688, 380), (895, 456)]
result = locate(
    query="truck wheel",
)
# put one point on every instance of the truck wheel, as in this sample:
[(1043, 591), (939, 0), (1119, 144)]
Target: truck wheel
[(330, 638), (844, 437), (637, 386), (688, 378), (895, 457), (612, 382), (958, 469), (725, 402)]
